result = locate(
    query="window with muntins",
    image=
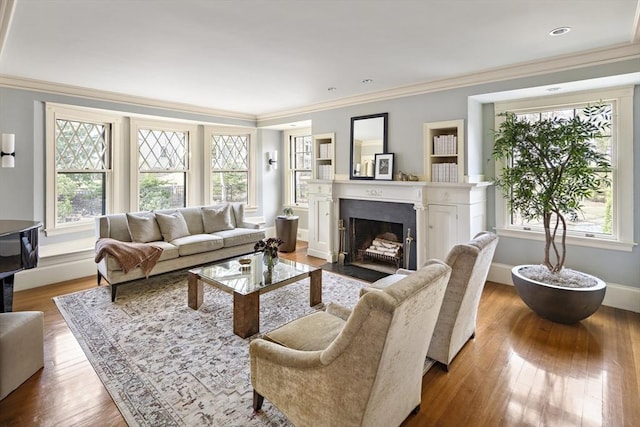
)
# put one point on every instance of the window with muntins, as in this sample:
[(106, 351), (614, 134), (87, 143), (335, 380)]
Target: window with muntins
[(596, 215), (229, 179), (607, 216), (162, 164), (301, 158), (82, 161)]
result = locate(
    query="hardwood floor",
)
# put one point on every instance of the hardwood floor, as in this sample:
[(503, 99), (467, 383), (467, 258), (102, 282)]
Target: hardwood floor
[(520, 370)]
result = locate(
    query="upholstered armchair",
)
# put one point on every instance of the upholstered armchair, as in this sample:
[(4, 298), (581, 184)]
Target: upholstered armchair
[(470, 263), (353, 368)]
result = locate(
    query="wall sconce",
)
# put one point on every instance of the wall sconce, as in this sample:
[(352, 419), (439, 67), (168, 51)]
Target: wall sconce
[(8, 153), (273, 159)]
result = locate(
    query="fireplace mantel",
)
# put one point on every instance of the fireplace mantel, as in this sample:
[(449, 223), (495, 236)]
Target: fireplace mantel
[(446, 213)]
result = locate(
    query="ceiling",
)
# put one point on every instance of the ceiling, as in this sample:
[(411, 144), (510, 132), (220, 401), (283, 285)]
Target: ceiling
[(270, 57)]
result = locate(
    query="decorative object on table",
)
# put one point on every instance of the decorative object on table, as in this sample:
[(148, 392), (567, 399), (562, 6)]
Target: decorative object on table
[(287, 230), (287, 211), (245, 264), (384, 166), (269, 249), (550, 167)]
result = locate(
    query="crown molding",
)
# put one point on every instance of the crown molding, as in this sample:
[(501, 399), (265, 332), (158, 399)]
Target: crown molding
[(594, 57), (101, 95), (526, 69)]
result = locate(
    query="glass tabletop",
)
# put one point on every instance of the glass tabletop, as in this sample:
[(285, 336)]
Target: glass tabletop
[(249, 277)]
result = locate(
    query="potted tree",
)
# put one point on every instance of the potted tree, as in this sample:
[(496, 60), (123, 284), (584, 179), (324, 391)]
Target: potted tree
[(550, 166)]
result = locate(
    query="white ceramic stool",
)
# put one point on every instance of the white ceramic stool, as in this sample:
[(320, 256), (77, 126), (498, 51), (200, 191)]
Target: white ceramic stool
[(21, 348)]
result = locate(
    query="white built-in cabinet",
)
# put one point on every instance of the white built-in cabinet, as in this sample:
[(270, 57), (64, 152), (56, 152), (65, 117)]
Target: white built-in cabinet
[(442, 229), (443, 147), (321, 221)]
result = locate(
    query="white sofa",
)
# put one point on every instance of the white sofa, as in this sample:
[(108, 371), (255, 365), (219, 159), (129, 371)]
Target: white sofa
[(188, 237)]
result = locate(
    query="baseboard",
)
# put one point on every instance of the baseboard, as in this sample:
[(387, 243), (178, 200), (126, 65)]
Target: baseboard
[(54, 273), (618, 296)]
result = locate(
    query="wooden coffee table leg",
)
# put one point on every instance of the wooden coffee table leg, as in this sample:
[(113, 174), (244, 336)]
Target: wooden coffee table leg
[(315, 290), (195, 293), (246, 314)]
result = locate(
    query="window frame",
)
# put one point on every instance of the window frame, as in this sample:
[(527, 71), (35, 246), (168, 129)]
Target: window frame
[(209, 132), (53, 112), (621, 161), (161, 125), (289, 176)]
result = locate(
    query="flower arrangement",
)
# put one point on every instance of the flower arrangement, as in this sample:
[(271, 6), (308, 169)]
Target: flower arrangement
[(269, 247)]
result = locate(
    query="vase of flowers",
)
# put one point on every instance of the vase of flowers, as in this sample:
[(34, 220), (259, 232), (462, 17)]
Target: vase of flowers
[(269, 249)]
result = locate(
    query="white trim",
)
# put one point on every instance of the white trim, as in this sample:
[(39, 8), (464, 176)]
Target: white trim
[(112, 178), (622, 52), (166, 125), (623, 210), (253, 153), (591, 242), (102, 95), (594, 57), (624, 297)]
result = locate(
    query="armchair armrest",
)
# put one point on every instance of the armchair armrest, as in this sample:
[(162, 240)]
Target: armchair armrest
[(338, 310), (284, 356), (404, 271)]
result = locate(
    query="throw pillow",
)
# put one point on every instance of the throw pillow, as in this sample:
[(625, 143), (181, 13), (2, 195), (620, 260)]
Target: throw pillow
[(143, 227), (217, 219), (173, 226)]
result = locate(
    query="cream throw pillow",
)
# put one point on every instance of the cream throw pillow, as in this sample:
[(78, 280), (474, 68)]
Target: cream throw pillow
[(217, 219), (143, 227), (173, 226)]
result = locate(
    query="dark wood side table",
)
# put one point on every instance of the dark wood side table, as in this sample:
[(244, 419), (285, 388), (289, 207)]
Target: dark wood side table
[(287, 231)]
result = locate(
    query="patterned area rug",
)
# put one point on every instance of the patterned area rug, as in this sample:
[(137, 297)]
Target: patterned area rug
[(165, 364)]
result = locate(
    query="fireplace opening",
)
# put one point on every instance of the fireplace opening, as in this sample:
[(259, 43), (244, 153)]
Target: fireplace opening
[(376, 244)]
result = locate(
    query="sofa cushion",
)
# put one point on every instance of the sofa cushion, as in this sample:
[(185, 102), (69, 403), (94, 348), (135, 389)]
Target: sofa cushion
[(169, 251), (193, 217), (240, 236), (197, 243), (143, 227), (217, 219), (172, 226)]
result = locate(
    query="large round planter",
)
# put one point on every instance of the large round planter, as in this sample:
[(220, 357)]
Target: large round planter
[(558, 304)]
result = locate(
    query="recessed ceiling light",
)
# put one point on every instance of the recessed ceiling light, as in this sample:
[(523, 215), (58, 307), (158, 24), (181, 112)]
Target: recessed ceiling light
[(553, 89), (559, 31), (331, 89), (367, 81)]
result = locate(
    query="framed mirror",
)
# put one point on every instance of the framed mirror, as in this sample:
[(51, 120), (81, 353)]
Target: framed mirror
[(368, 138)]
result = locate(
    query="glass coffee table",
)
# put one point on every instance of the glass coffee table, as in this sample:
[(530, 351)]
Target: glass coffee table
[(246, 282)]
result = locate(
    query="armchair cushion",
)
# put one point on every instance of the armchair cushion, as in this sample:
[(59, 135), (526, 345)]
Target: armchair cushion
[(325, 327)]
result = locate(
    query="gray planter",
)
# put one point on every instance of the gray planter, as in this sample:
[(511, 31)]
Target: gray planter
[(558, 304)]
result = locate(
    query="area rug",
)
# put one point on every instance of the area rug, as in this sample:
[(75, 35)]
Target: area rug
[(165, 364)]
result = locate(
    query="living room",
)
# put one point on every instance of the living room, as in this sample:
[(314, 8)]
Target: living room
[(27, 101)]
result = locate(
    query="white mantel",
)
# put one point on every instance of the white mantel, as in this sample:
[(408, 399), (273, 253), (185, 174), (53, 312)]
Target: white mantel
[(446, 213)]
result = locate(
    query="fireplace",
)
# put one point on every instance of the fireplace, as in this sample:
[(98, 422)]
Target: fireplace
[(376, 234)]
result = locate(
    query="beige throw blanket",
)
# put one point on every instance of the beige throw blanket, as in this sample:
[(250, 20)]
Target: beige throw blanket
[(129, 254)]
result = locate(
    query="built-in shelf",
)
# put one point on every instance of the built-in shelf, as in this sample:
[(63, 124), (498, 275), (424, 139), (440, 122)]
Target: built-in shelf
[(323, 156), (444, 151)]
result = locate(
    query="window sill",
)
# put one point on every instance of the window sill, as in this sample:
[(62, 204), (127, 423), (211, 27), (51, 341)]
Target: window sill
[(70, 229), (591, 242)]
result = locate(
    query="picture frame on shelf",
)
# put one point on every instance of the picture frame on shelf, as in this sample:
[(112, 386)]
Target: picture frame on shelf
[(384, 167)]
